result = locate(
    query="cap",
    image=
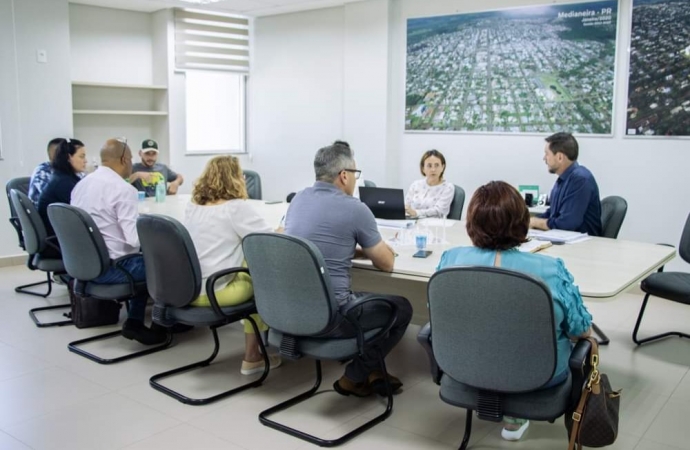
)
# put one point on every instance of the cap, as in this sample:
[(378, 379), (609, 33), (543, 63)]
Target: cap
[(149, 145)]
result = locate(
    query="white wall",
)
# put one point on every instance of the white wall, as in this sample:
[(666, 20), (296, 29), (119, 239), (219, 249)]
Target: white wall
[(352, 41), (35, 99)]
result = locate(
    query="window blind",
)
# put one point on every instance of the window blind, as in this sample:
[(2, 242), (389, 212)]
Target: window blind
[(206, 40)]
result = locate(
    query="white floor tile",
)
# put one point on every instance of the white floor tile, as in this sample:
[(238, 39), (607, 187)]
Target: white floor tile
[(109, 422), (646, 444), (14, 362), (183, 437), (671, 425), (7, 442)]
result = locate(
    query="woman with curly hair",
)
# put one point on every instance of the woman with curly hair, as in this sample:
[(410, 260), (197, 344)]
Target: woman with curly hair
[(218, 218)]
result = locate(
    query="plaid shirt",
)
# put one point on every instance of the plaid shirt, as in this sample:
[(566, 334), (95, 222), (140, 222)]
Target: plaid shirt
[(39, 180)]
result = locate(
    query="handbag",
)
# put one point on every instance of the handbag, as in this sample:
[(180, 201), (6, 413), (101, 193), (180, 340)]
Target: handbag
[(90, 312), (594, 423)]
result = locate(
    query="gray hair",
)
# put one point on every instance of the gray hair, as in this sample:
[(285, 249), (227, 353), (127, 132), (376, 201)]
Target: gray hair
[(331, 160)]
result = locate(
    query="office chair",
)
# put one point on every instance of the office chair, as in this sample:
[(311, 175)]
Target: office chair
[(253, 182), (613, 211), (37, 243), (457, 204), (294, 296), (673, 286), (173, 277), (368, 183), (491, 343), (86, 258)]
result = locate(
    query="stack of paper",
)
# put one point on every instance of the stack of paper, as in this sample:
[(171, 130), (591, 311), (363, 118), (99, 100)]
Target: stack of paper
[(534, 245), (561, 236), (388, 223)]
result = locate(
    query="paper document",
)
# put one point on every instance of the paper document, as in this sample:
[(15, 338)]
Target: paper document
[(388, 223), (534, 245), (567, 237), (437, 223)]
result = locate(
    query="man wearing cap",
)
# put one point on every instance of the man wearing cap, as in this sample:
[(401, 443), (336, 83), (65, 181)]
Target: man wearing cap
[(149, 172)]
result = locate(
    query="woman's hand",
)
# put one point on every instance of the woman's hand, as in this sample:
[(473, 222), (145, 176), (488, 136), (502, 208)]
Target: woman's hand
[(410, 212)]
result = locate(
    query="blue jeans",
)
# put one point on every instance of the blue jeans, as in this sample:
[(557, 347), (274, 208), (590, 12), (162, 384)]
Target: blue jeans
[(135, 267)]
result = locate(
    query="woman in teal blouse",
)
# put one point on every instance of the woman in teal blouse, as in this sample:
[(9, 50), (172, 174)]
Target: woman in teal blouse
[(497, 223)]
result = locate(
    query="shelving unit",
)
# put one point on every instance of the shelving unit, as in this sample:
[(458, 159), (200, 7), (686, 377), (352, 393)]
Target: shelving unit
[(104, 112)]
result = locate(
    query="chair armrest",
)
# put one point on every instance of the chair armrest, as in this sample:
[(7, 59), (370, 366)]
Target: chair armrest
[(424, 339), (18, 228), (348, 310), (52, 241), (580, 367), (117, 264), (211, 283)]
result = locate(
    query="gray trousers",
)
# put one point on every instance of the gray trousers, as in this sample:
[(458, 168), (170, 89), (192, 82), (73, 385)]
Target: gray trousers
[(371, 316)]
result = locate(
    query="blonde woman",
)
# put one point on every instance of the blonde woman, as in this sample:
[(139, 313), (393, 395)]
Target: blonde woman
[(218, 218)]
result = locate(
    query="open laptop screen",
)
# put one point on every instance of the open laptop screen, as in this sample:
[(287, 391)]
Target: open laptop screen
[(383, 202)]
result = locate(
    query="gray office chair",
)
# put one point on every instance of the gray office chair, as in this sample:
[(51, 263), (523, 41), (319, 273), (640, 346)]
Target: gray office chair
[(294, 296), (86, 258), (20, 184), (368, 183), (673, 286), (173, 277), (36, 243), (493, 346), (613, 210), (457, 204), (253, 182)]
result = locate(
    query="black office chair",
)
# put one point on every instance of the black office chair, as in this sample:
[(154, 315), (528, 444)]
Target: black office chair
[(492, 346), (22, 185), (86, 258), (173, 277), (368, 183), (457, 204), (613, 211), (253, 183), (673, 286), (37, 244), (294, 296)]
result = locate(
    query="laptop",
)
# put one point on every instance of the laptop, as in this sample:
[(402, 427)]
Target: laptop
[(385, 203)]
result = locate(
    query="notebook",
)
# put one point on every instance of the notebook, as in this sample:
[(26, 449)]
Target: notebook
[(533, 246), (561, 236), (385, 203)]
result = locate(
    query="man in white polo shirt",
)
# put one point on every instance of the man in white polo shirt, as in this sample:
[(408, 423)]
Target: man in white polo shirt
[(113, 205)]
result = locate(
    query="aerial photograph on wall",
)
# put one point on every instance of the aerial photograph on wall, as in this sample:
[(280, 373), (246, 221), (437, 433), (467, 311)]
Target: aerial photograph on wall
[(659, 76), (524, 70)]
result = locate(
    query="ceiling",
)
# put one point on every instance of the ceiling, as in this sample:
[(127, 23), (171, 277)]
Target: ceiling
[(246, 7)]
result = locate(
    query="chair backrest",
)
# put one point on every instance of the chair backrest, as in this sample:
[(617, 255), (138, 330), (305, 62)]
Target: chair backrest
[(457, 204), (290, 196), (173, 273), (492, 328), (292, 287), (20, 184), (253, 182), (613, 210), (33, 229), (368, 183), (684, 247), (84, 252)]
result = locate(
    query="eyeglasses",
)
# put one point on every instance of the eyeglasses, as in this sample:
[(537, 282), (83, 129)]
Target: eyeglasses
[(123, 141), (355, 171)]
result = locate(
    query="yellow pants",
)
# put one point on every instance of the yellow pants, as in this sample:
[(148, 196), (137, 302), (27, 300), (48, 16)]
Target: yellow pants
[(236, 292)]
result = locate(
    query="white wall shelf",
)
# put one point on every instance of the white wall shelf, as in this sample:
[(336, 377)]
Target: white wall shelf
[(119, 85), (105, 112)]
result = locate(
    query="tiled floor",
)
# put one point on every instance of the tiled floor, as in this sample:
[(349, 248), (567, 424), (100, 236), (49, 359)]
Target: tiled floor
[(53, 399)]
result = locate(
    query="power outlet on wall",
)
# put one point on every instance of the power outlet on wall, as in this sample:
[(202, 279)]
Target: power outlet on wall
[(41, 56)]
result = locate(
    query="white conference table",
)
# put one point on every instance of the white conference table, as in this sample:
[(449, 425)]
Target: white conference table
[(602, 268)]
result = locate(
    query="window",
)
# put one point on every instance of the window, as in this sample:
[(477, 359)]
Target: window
[(215, 111)]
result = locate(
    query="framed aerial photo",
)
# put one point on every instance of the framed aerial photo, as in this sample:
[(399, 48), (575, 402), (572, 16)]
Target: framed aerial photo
[(536, 69), (659, 73)]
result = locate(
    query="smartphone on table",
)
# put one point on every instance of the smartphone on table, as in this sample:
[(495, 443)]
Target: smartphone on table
[(422, 253)]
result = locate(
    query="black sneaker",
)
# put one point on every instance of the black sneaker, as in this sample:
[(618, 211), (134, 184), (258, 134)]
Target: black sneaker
[(136, 330)]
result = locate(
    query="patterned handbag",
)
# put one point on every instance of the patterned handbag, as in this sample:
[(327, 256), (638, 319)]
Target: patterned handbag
[(594, 423)]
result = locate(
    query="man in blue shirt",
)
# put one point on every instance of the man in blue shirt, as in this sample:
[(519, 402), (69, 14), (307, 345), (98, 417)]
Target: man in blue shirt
[(575, 204)]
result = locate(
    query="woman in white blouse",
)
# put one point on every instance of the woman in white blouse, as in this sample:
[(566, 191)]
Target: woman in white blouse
[(218, 218), (431, 196)]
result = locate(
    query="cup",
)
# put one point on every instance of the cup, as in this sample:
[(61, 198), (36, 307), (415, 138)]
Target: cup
[(142, 195), (420, 241)]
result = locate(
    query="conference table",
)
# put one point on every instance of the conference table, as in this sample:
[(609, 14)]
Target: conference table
[(603, 268)]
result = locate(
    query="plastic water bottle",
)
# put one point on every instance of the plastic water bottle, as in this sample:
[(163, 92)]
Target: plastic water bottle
[(160, 192)]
